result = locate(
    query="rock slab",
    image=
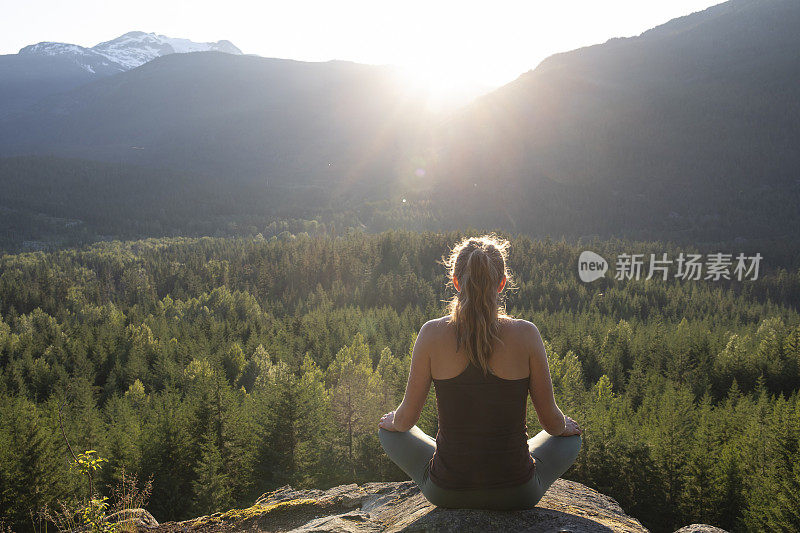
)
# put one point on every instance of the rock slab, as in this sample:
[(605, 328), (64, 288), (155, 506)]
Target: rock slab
[(132, 520), (700, 528), (399, 506)]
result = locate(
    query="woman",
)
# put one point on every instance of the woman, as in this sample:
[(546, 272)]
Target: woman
[(483, 364)]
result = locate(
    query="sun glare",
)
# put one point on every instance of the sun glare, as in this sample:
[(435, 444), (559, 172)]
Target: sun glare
[(442, 86)]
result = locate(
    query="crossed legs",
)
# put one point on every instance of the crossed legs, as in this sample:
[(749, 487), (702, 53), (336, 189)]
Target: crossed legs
[(553, 456), (412, 451)]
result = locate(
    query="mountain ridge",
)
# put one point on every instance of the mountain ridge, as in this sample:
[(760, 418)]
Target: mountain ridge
[(131, 49), (46, 68), (676, 128), (248, 117), (689, 130)]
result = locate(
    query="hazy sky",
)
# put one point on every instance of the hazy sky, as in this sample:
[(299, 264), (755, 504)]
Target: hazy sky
[(489, 42)]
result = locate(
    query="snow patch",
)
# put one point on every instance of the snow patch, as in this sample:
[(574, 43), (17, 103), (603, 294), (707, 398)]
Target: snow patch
[(137, 48), (54, 49), (128, 51)]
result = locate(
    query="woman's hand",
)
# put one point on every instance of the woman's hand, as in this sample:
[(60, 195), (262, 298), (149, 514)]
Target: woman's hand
[(572, 428), (387, 422)]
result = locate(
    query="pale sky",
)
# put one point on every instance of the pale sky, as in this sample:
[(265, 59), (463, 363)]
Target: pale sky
[(488, 43)]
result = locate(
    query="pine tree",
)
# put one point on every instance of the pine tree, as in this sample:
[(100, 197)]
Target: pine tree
[(32, 467), (314, 428), (212, 486), (348, 380), (168, 455), (701, 496)]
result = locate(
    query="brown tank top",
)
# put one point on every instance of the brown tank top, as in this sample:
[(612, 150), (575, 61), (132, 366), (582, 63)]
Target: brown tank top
[(482, 440)]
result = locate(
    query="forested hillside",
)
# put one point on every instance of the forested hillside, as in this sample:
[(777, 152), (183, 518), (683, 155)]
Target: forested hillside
[(49, 203), (686, 132), (227, 367), (247, 118)]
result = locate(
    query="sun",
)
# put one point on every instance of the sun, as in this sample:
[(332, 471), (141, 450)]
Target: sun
[(443, 86)]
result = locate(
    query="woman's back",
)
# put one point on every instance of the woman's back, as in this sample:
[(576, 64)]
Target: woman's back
[(483, 365), (509, 359), (482, 437)]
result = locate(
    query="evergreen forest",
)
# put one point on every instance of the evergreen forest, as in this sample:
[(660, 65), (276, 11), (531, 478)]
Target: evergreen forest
[(222, 368)]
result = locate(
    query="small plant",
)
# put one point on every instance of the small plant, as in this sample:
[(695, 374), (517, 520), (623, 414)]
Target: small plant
[(127, 495), (91, 514), (87, 463), (88, 516), (94, 516)]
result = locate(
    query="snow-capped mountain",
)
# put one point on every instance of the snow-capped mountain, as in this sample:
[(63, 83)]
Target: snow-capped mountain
[(91, 61), (137, 48), (127, 51), (47, 68)]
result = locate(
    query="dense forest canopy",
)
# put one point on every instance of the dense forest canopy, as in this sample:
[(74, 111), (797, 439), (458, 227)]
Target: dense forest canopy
[(227, 367), (49, 203)]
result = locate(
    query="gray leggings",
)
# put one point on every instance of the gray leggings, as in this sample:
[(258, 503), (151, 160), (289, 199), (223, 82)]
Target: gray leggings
[(412, 451)]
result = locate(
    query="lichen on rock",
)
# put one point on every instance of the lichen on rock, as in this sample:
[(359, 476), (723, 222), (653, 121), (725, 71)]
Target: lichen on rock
[(399, 506)]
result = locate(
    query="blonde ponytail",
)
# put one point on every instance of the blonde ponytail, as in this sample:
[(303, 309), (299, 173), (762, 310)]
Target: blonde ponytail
[(479, 266)]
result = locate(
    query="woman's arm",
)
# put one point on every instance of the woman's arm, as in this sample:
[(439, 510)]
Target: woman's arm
[(419, 383), (550, 416)]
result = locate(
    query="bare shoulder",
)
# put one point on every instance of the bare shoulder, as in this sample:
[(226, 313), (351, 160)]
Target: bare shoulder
[(527, 338), (430, 339), (436, 328), (520, 329)]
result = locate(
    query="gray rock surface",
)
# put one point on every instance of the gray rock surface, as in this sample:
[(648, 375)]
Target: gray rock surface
[(399, 506), (132, 519), (700, 528)]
